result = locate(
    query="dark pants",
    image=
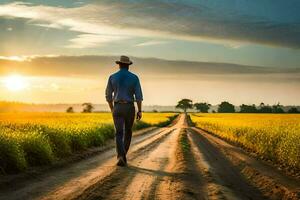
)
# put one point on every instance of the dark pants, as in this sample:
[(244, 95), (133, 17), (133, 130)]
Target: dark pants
[(123, 115)]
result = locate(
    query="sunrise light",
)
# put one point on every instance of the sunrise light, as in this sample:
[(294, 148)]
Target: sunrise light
[(15, 82)]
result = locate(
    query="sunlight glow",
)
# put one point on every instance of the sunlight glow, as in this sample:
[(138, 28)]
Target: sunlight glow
[(15, 83), (14, 58)]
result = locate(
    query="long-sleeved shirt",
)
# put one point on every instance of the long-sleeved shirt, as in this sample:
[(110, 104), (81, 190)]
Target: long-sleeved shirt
[(123, 86)]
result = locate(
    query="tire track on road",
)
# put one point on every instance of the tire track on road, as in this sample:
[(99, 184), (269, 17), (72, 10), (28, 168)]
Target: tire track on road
[(112, 187), (186, 182), (267, 179), (223, 180)]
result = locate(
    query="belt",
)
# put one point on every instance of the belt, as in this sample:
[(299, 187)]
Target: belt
[(123, 102)]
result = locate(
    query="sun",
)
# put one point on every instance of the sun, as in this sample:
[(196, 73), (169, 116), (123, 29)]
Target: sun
[(15, 82)]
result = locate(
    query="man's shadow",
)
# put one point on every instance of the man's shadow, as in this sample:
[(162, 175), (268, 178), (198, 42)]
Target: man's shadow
[(139, 170)]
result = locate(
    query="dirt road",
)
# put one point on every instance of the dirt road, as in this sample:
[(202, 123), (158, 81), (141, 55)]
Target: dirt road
[(176, 162)]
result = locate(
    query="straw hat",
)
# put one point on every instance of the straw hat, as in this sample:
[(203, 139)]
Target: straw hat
[(125, 60)]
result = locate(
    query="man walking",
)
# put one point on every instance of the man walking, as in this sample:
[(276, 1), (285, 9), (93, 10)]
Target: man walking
[(123, 88)]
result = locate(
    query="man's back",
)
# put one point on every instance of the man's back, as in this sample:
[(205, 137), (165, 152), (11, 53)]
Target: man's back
[(125, 86)]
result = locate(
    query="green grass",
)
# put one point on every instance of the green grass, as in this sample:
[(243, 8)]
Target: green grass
[(168, 121), (184, 143)]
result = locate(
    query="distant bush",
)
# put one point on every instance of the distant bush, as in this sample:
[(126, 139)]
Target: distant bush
[(293, 110), (226, 107)]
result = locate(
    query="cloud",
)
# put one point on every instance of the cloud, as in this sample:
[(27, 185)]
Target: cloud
[(56, 26), (231, 23), (14, 58), (96, 66), (91, 32), (93, 40), (24, 58), (151, 43)]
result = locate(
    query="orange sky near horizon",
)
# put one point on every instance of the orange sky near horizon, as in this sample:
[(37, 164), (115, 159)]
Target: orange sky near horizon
[(157, 92)]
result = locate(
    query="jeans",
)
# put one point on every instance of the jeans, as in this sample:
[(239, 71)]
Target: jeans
[(123, 115)]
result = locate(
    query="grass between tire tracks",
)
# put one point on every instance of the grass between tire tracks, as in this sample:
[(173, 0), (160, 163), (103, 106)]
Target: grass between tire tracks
[(185, 145)]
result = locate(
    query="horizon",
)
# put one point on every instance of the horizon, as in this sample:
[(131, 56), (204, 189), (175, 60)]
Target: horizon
[(64, 51), (22, 107), (148, 105)]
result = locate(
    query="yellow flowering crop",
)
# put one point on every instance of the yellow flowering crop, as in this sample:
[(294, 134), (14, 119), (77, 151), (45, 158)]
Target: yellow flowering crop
[(274, 136)]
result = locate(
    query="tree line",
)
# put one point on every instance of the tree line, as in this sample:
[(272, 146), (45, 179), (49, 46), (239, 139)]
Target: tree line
[(226, 107), (223, 107)]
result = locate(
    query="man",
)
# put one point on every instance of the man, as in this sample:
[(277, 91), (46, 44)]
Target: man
[(123, 88)]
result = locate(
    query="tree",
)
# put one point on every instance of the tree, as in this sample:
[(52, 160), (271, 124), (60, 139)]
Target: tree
[(202, 107), (277, 108), (248, 108), (88, 107), (70, 110), (264, 108), (293, 110), (185, 104), (262, 104), (226, 107)]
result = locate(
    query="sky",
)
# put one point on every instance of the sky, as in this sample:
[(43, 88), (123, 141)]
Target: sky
[(63, 51)]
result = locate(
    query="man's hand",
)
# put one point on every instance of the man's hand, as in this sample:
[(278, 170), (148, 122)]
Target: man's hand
[(111, 106), (139, 115)]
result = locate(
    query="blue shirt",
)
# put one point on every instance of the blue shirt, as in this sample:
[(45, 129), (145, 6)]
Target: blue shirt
[(123, 86)]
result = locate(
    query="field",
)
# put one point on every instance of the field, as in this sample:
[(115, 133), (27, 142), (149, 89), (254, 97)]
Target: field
[(272, 136), (30, 139)]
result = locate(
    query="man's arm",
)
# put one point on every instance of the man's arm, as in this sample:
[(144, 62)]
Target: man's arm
[(108, 94), (139, 114), (139, 99), (139, 105)]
